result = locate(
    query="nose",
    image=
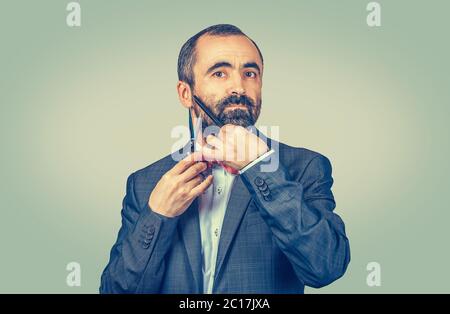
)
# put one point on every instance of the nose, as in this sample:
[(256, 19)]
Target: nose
[(236, 86)]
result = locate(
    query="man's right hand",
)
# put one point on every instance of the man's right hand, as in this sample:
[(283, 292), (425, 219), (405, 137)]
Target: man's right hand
[(179, 186)]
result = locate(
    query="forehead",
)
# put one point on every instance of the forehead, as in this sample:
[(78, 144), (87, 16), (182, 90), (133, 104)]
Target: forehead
[(234, 49)]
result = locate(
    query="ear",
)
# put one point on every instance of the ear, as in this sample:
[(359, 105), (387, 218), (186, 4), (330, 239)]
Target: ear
[(184, 94)]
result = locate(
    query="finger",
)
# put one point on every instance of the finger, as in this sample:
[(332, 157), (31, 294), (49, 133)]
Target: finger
[(202, 187), (212, 154), (227, 128), (185, 163), (214, 141), (193, 171), (194, 182)]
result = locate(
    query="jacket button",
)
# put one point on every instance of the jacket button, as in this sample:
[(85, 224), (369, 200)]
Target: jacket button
[(149, 230), (258, 181), (266, 192), (268, 198), (263, 187)]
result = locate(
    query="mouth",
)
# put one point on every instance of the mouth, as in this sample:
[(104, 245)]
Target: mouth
[(236, 106)]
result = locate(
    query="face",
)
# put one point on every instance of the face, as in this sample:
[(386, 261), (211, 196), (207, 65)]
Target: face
[(228, 79)]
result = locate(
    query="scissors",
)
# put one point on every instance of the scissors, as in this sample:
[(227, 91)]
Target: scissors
[(208, 112)]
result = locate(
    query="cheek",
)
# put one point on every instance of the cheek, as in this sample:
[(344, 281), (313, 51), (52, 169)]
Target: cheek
[(257, 108), (255, 84), (256, 97), (253, 89), (213, 99), (207, 92), (211, 85), (210, 91)]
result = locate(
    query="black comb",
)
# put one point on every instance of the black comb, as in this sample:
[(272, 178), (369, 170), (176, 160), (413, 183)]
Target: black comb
[(208, 112)]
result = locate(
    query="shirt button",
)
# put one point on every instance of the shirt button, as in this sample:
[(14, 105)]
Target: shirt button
[(219, 190), (216, 232)]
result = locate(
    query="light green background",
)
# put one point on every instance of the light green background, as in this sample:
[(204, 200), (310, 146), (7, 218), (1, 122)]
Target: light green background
[(82, 108)]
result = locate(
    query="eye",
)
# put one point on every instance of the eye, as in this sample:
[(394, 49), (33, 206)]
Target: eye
[(250, 74), (219, 74)]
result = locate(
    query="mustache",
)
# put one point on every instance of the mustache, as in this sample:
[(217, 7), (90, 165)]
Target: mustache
[(235, 100)]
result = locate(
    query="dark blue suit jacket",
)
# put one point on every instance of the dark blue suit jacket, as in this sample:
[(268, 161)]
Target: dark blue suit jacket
[(279, 234)]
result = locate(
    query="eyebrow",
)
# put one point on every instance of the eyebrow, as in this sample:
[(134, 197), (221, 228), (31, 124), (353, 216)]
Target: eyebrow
[(226, 64), (253, 65), (218, 65)]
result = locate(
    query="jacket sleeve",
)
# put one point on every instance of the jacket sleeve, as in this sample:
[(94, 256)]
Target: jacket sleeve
[(138, 254), (300, 214)]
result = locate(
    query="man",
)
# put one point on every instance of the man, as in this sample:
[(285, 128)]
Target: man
[(239, 229)]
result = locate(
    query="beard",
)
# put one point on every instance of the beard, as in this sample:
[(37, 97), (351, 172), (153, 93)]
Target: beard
[(244, 117)]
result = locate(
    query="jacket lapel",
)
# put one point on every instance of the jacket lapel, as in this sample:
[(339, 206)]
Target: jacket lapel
[(189, 227), (237, 205)]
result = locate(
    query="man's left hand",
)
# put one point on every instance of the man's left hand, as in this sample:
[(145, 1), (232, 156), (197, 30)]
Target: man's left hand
[(235, 146)]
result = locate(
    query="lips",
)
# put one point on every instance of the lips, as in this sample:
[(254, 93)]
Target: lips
[(234, 106)]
